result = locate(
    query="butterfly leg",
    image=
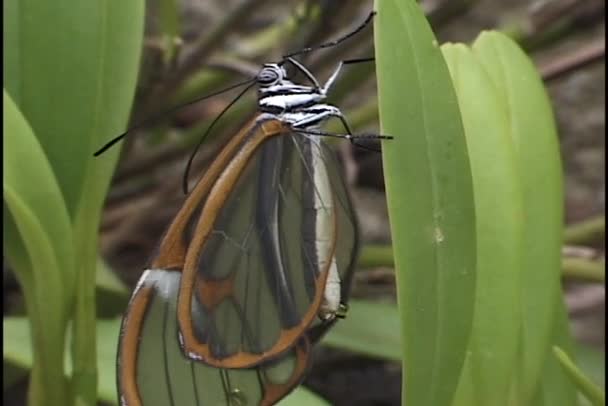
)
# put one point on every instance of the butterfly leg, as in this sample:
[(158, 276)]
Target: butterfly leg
[(332, 79), (327, 111)]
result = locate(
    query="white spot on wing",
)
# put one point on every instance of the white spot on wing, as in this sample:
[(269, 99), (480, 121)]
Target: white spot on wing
[(163, 280), (194, 356), (143, 279)]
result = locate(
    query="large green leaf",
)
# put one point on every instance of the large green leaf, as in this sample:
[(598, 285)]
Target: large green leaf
[(71, 67), (555, 389), (430, 202), (538, 159), (32, 187), (498, 211), (38, 241)]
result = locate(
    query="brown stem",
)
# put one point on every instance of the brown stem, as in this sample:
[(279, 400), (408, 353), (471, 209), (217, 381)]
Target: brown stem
[(564, 64)]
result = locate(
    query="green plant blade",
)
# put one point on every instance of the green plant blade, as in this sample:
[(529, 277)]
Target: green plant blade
[(117, 56), (595, 395), (47, 309), (538, 159), (38, 240), (28, 175), (430, 202), (112, 296), (498, 212), (555, 388), (371, 329), (75, 88), (592, 362), (303, 397)]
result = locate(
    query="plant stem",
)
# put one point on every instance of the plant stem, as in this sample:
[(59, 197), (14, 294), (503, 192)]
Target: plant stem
[(576, 268), (564, 64), (84, 338), (376, 256), (595, 395), (590, 230)]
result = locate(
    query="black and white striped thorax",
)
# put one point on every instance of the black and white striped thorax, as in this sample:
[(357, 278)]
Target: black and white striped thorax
[(301, 106)]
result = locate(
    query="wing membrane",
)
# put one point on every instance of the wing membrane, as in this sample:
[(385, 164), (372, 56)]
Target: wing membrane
[(261, 273), (256, 244), (152, 370)]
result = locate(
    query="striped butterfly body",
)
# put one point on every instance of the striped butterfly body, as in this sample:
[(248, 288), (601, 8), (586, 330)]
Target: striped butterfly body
[(255, 267)]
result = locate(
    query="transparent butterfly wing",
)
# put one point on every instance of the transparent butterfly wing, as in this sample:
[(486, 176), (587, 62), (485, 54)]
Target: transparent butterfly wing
[(261, 274), (152, 370)]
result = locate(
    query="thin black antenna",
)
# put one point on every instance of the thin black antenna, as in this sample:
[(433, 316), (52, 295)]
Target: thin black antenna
[(337, 41), (310, 76), (215, 120), (167, 112)]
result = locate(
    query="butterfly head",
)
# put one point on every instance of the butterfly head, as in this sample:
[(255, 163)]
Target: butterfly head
[(271, 74)]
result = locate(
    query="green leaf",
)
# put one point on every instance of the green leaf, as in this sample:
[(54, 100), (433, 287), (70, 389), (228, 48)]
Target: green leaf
[(38, 240), (538, 159), (595, 395), (107, 339), (370, 329), (430, 202), (75, 88), (16, 332), (107, 280), (555, 389), (32, 186), (592, 362), (112, 295), (16, 354), (303, 397), (498, 211)]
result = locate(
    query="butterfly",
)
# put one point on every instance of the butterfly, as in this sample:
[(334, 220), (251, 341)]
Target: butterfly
[(255, 267)]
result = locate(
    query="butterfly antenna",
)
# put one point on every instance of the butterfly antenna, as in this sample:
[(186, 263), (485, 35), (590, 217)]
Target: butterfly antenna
[(215, 120), (167, 112), (337, 41)]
